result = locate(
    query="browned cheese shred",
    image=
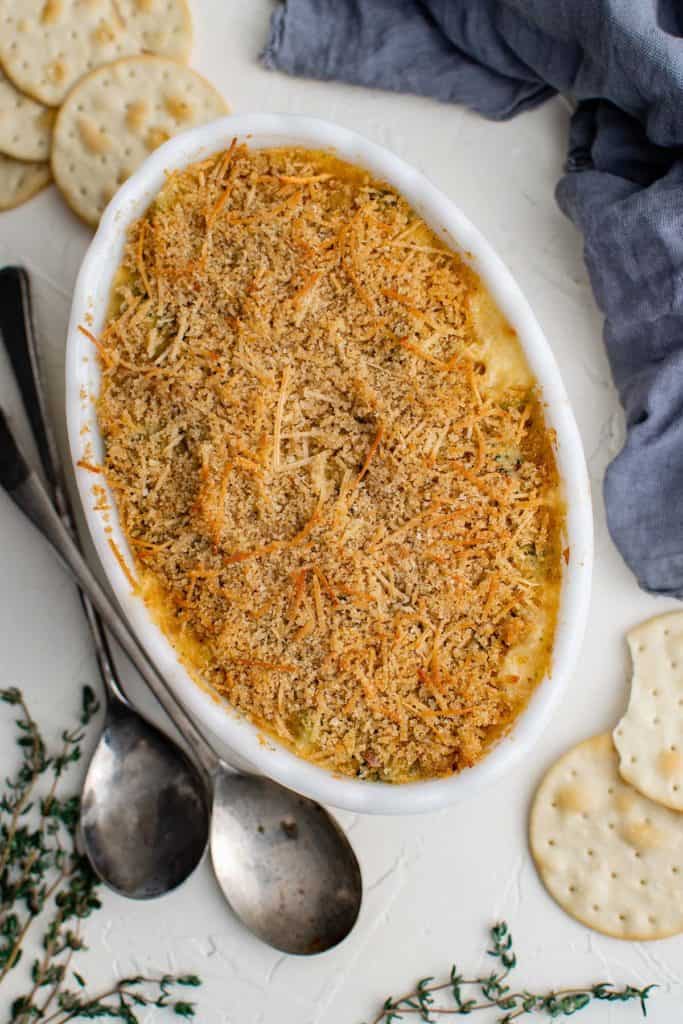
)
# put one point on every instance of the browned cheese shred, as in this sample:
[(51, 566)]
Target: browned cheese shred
[(344, 509)]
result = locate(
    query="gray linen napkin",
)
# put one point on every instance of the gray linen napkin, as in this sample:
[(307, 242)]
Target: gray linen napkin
[(623, 187)]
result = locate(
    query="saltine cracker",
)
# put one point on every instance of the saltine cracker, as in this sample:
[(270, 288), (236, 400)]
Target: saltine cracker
[(47, 45), (20, 181), (649, 738), (115, 117), (25, 125), (609, 856)]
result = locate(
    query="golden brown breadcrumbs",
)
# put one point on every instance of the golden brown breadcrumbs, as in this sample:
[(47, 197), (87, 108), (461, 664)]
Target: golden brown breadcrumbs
[(345, 518)]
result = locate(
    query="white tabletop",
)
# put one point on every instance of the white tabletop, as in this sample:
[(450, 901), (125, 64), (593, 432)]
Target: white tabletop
[(433, 884)]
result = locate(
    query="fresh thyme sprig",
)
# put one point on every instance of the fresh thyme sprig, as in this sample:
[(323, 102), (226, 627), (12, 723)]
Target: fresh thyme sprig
[(495, 992), (121, 1000), (37, 856), (41, 869)]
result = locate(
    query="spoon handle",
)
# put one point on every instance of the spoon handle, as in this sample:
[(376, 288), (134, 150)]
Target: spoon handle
[(27, 492), (18, 335)]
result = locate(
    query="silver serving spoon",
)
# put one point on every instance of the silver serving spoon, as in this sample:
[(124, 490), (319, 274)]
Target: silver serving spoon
[(155, 854), (283, 863)]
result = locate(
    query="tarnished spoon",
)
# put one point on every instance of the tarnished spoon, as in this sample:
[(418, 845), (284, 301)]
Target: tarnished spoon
[(283, 863)]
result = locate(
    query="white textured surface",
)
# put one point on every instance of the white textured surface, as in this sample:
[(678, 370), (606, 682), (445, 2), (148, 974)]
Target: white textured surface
[(433, 884)]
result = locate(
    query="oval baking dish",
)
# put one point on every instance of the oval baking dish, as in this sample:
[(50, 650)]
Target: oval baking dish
[(90, 304)]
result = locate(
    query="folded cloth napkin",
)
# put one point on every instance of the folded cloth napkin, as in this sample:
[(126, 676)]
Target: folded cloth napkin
[(623, 61)]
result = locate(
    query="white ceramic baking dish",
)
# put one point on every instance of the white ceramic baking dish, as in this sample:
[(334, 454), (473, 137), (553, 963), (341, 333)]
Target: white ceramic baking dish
[(82, 382)]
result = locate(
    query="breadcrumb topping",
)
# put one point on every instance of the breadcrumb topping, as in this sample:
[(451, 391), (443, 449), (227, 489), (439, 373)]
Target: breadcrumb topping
[(331, 464)]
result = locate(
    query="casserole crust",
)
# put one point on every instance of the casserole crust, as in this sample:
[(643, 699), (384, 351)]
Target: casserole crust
[(330, 461)]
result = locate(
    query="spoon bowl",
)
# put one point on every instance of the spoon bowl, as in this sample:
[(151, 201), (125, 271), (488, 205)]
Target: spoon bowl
[(144, 811), (284, 865)]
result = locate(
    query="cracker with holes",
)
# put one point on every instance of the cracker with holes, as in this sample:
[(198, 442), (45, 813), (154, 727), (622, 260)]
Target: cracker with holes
[(649, 738), (47, 45), (609, 856), (20, 181), (25, 125), (115, 117)]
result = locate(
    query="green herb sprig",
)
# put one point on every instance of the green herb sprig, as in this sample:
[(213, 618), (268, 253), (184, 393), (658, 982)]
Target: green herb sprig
[(118, 1002), (41, 869), (493, 991)]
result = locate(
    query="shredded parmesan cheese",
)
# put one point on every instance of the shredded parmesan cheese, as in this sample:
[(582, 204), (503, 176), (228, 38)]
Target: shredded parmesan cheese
[(342, 500)]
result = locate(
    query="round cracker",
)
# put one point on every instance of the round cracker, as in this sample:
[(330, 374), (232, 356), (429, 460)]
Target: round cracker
[(47, 45), (25, 125), (609, 856), (649, 738), (20, 181), (115, 117)]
